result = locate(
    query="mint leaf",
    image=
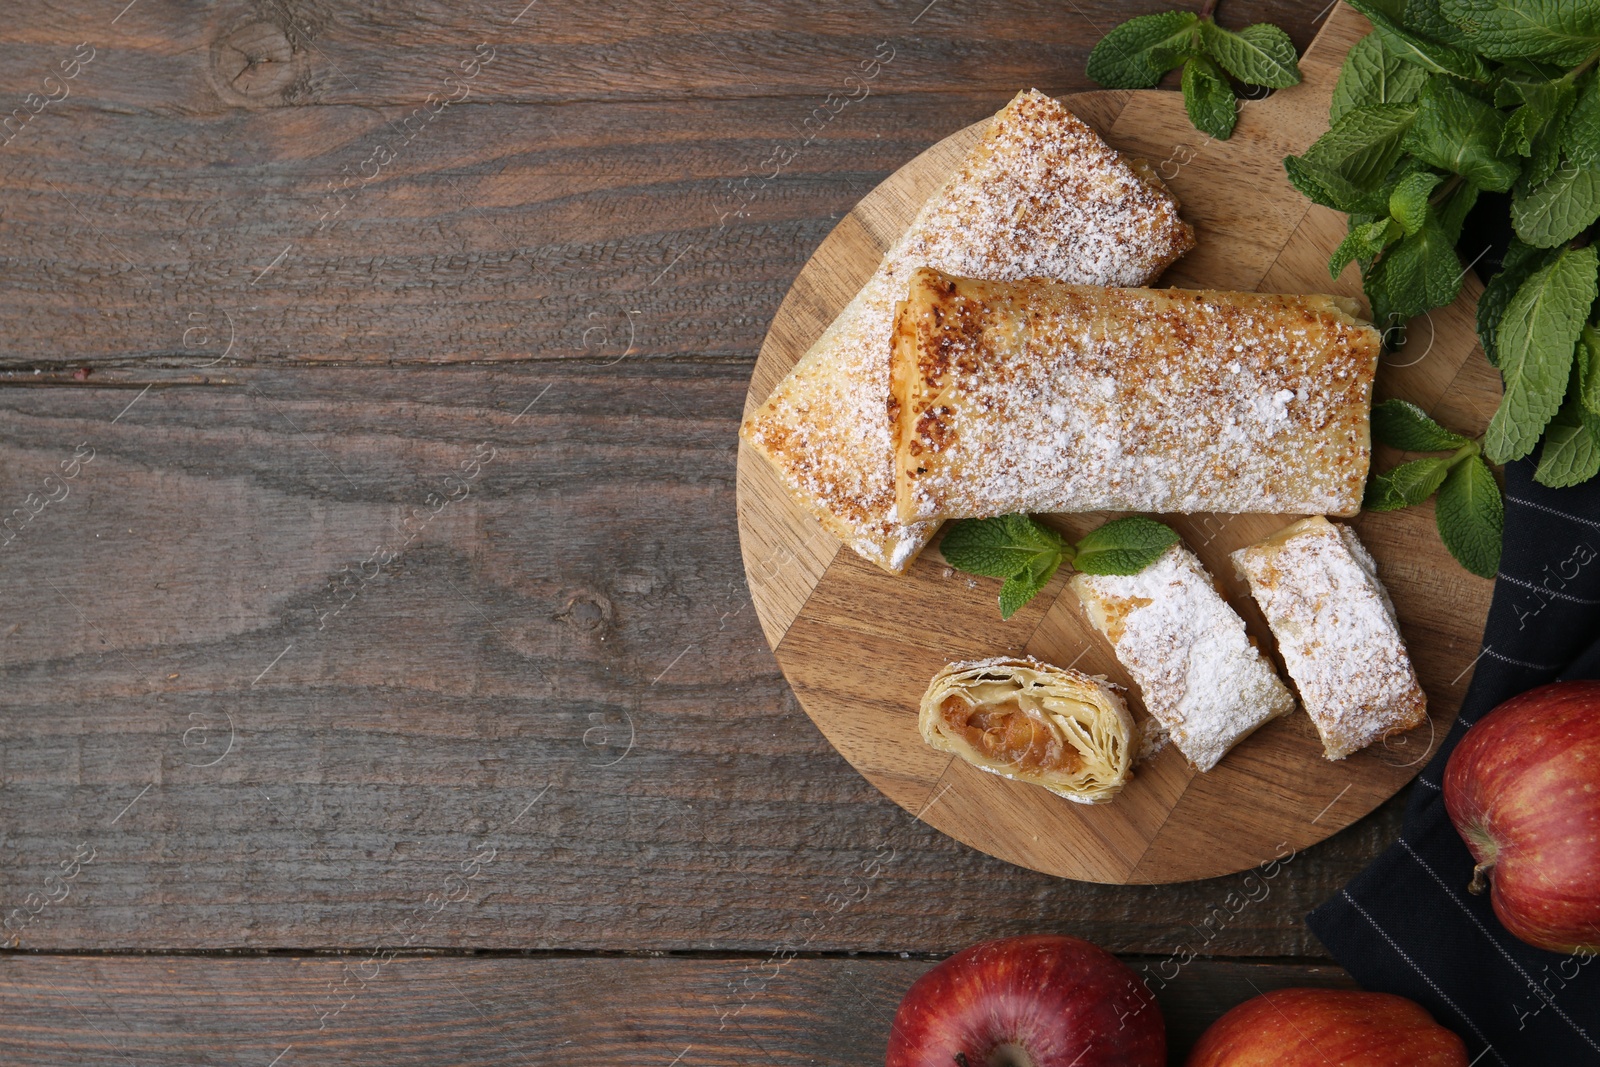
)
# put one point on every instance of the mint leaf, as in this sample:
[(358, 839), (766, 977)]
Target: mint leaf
[(1535, 129), (1406, 485), (1257, 55), (1589, 390), (1402, 424), (1471, 516), (1018, 591), (1521, 261), (1455, 210), (1556, 31), (1580, 136), (1018, 548), (1558, 210), (1421, 272), (1571, 453), (1429, 55), (1456, 131), (1209, 98), (1124, 546), (1408, 203), (1424, 17), (1325, 187), (1001, 547), (1137, 53), (1363, 144), (1536, 338), (1365, 240), (1372, 76)]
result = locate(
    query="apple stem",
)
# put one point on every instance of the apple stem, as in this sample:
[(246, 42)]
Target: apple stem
[(1480, 878)]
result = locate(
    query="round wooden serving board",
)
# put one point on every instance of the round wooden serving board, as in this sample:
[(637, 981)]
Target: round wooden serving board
[(859, 645)]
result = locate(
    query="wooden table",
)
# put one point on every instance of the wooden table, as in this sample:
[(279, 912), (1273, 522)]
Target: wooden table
[(380, 681)]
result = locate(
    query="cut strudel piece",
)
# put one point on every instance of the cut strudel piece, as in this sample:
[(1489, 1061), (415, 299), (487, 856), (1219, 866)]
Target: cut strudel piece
[(1337, 633), (1199, 674), (1041, 195), (1032, 722), (1038, 396)]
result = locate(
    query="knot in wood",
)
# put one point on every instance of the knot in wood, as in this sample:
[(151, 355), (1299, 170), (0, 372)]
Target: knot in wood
[(255, 65), (586, 611)]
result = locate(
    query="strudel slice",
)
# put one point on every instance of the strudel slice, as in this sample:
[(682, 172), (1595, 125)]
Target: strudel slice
[(1336, 631), (1023, 719), (1200, 676), (1037, 396), (1041, 195)]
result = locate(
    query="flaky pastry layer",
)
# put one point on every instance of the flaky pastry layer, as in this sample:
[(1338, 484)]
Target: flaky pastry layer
[(1032, 722)]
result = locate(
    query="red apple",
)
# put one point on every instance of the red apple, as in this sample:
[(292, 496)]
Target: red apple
[(1318, 1027), (1523, 790), (1029, 1002)]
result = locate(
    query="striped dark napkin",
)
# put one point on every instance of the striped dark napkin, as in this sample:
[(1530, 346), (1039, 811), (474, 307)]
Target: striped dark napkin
[(1406, 924)]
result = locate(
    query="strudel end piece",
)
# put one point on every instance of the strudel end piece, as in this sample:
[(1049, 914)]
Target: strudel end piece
[(1037, 396), (1041, 195), (1026, 720), (1198, 673), (1336, 631)]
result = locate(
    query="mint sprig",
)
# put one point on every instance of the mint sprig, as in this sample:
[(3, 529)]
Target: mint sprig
[(1002, 547), (1468, 512), (1444, 99), (1027, 553), (1139, 52)]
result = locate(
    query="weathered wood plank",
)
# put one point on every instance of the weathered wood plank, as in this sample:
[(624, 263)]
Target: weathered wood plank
[(414, 1010), (311, 52), (607, 183), (588, 580)]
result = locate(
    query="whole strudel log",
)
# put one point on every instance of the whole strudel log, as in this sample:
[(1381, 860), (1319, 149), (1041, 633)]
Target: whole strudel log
[(1336, 631), (1038, 396), (1032, 722), (1041, 195)]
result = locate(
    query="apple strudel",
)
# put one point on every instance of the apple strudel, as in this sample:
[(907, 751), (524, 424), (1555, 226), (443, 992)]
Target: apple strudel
[(1198, 673), (1032, 722), (1336, 632), (1038, 396), (1041, 194)]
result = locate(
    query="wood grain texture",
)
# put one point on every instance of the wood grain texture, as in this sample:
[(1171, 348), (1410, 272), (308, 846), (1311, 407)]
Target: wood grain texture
[(858, 646), (435, 1010), (506, 649), (580, 222), (601, 185)]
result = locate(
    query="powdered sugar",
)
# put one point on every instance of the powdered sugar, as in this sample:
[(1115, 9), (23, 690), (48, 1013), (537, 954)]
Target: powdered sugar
[(1035, 396), (1198, 673), (1337, 633)]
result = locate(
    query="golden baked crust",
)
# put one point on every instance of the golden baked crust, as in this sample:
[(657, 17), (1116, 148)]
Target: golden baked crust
[(1039, 396), (1041, 195), (1032, 722), (1336, 631)]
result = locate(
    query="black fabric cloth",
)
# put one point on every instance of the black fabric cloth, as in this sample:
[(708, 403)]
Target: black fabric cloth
[(1406, 924)]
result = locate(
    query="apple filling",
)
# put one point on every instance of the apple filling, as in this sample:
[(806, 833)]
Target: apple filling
[(1032, 722), (1009, 732)]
